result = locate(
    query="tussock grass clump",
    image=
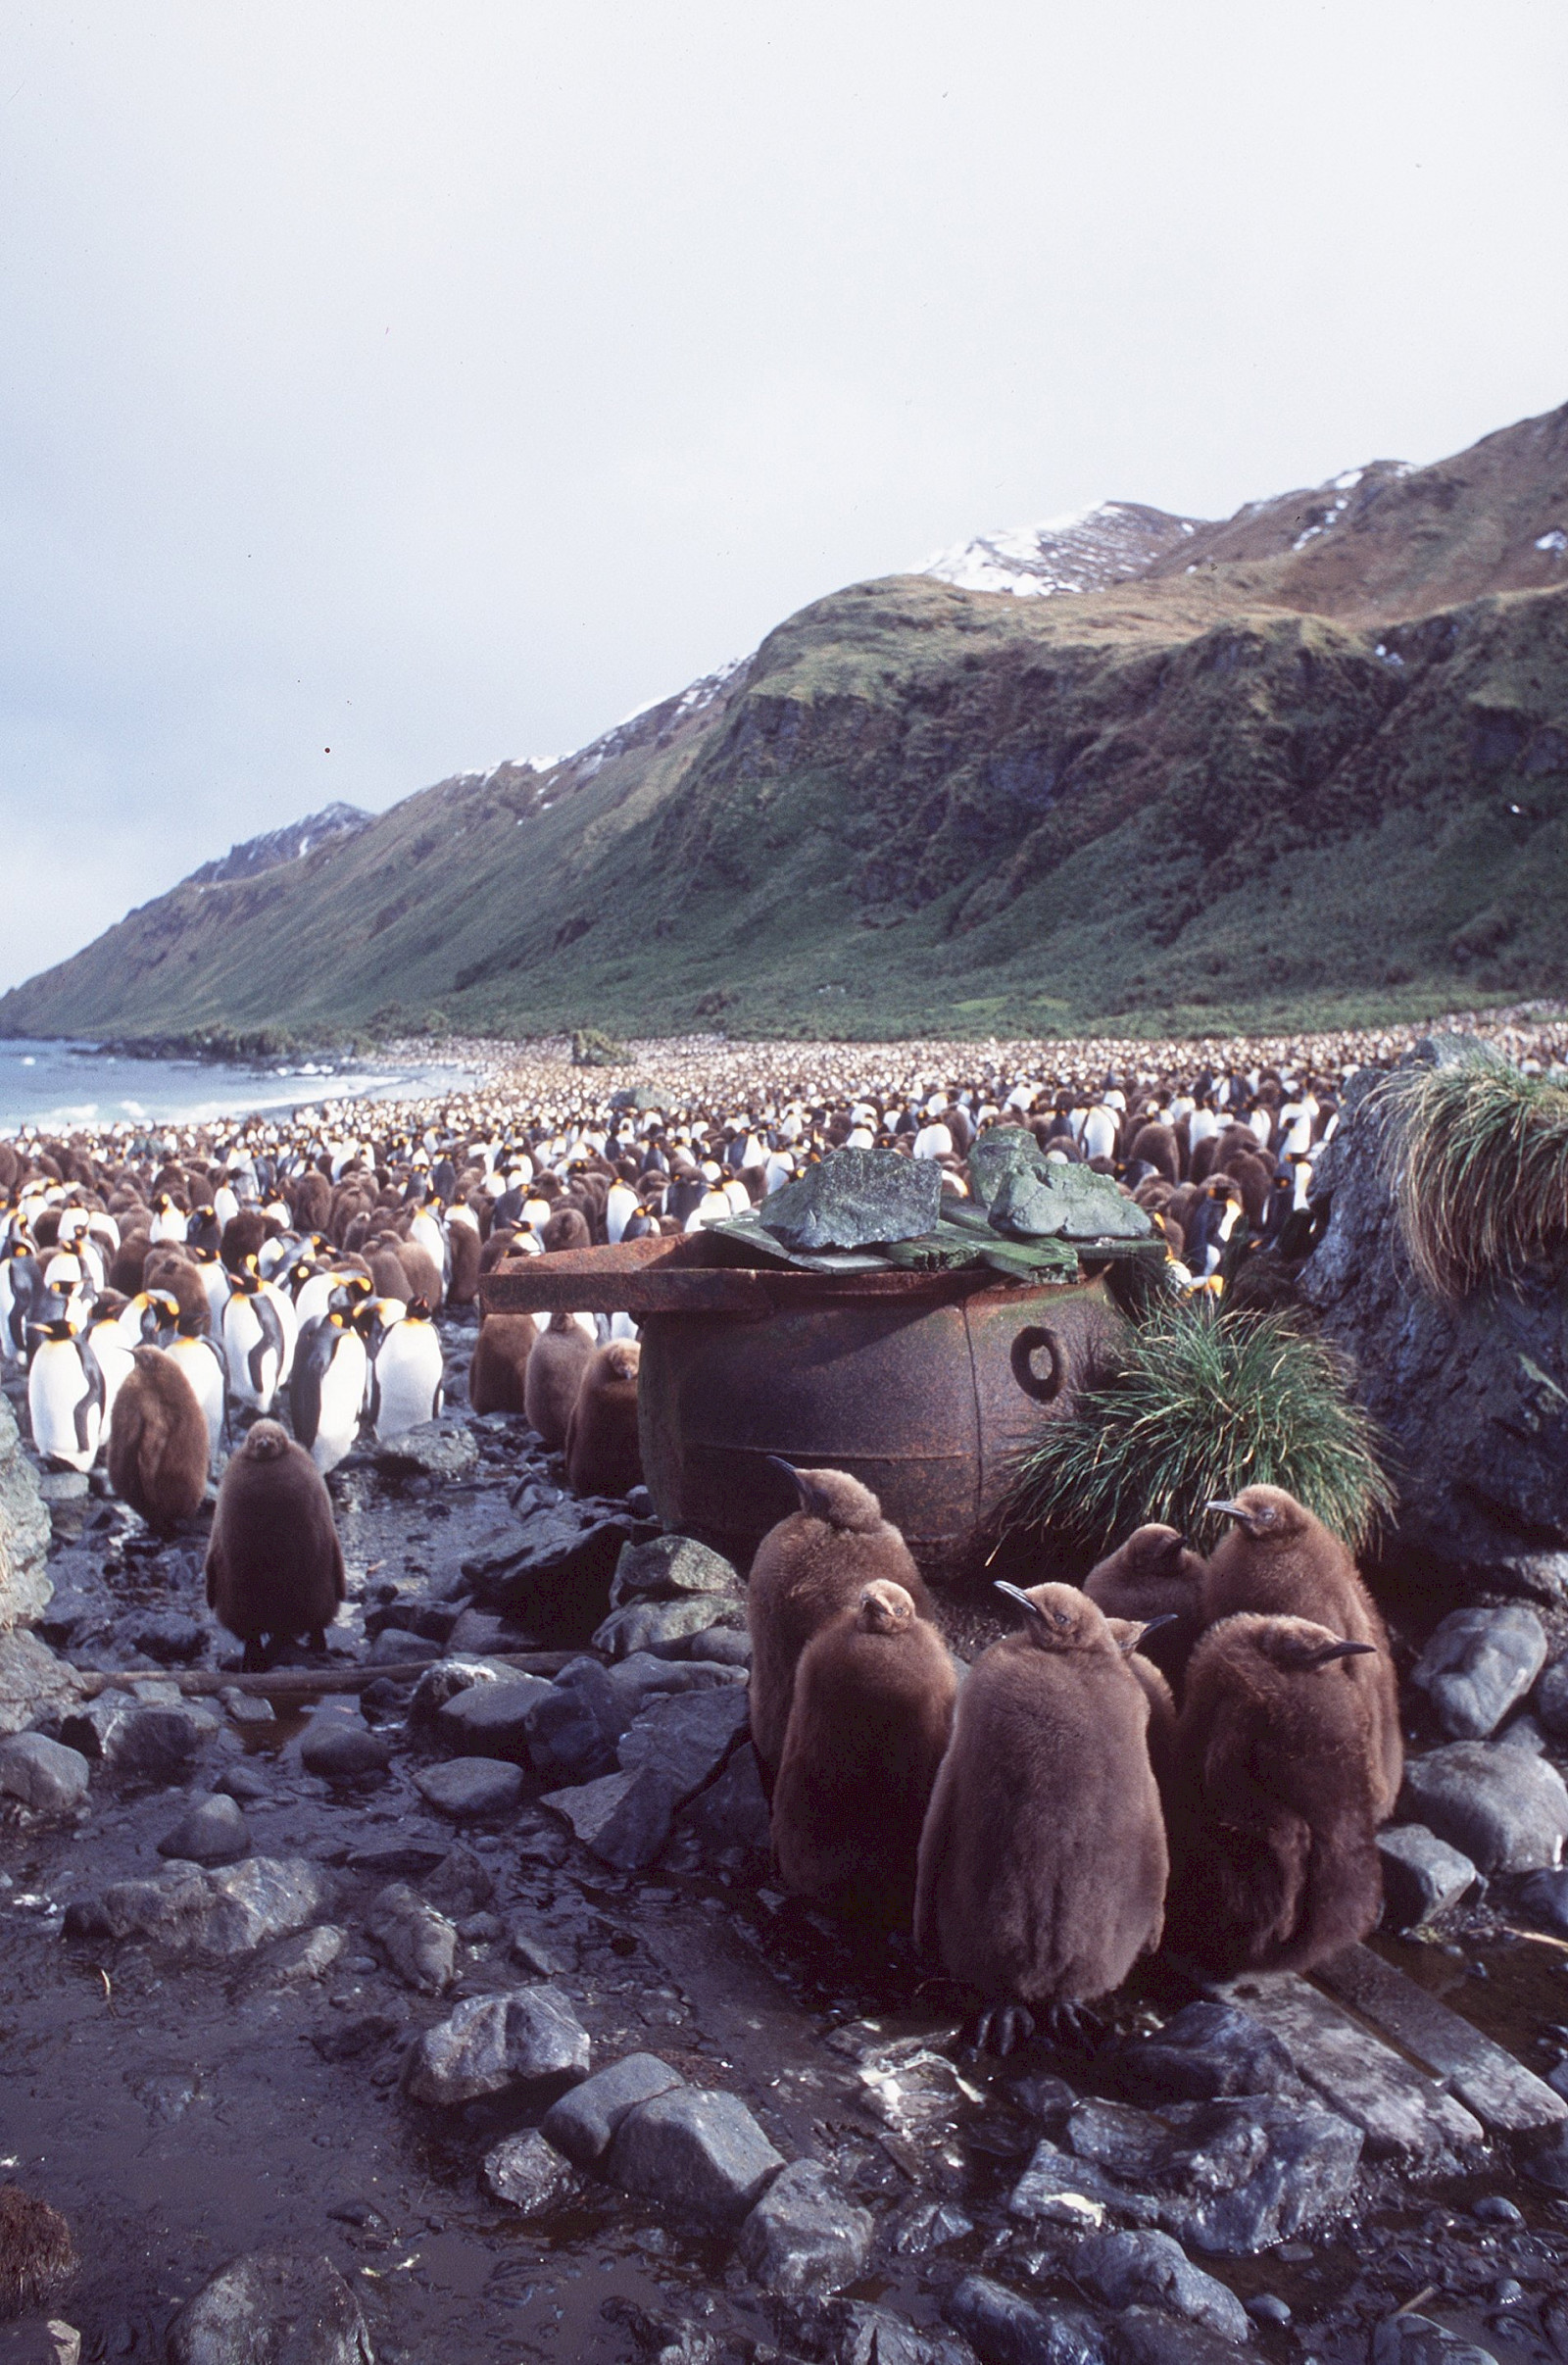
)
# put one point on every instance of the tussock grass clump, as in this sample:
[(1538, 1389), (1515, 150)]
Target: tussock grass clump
[(1478, 1159), (1203, 1403)]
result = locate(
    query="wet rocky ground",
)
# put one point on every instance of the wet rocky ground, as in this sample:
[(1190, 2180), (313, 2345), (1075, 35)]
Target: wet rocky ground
[(309, 1980)]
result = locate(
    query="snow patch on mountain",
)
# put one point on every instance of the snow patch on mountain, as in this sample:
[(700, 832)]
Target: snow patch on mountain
[(287, 845), (1085, 551)]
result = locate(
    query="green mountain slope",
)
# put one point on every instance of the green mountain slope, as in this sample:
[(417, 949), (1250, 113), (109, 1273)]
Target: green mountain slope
[(1316, 772)]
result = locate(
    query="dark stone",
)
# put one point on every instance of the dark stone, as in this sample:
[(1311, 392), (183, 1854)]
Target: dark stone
[(668, 1566), (210, 1832), (528, 2175), (874, 2335), (1006, 2329), (274, 2307), (1548, 2167), (1423, 1877), (1068, 1203), (584, 2120), (725, 1828), (1148, 2336), (855, 1199), (556, 1582), (1477, 1663), (1206, 2049), (153, 1741), (468, 1788), (647, 1625), (804, 2235), (491, 1720), (194, 1911), (459, 1884), (1412, 2339), (686, 1736), (433, 1448), (574, 1727), (445, 1678), (243, 1781), (419, 1943), (166, 1635), (395, 1647), (701, 2153), (625, 1819), (529, 2042), (1545, 1896), (1479, 1426), (1147, 2268), (45, 1775), (342, 1749), (1551, 1699), (1504, 1809)]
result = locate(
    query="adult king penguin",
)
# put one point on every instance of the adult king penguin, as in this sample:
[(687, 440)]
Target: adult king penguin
[(326, 1388), (65, 1394), (405, 1374)]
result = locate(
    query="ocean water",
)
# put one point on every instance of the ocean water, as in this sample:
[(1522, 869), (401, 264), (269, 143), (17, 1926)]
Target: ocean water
[(61, 1085)]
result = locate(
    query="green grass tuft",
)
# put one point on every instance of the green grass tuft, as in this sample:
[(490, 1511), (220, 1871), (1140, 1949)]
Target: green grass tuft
[(1478, 1158), (1203, 1403)]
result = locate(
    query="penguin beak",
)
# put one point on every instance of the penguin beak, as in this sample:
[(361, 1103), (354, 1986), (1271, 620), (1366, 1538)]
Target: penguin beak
[(1230, 1510), (1166, 1618), (1015, 1593), (1333, 1651), (812, 1499)]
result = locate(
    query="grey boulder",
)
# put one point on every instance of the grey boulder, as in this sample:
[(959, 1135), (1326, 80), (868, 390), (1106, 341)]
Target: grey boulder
[(419, 1943), (528, 2042), (1149, 2267), (584, 2120), (212, 1831), (431, 1449), (670, 1565), (1546, 1895), (1412, 2339), (623, 1820), (273, 2307), (43, 1774), (1203, 2050), (573, 1730), (468, 1788), (874, 2335), (804, 2236), (855, 1199), (643, 1624), (701, 2153), (1150, 2336), (26, 1589), (1006, 2330), (528, 2174), (342, 1749), (192, 1910), (1423, 1877), (491, 1720), (725, 1828), (1504, 1809), (1551, 1699), (153, 1741), (1477, 1663), (686, 1736)]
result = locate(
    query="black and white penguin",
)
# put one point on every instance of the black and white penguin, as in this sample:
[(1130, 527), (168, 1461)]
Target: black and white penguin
[(65, 1394), (327, 1388), (405, 1374), (259, 1338)]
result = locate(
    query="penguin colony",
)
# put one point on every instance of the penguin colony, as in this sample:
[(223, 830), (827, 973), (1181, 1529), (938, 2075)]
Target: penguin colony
[(181, 1297)]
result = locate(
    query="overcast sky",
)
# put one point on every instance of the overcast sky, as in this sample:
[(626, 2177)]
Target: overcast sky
[(436, 384)]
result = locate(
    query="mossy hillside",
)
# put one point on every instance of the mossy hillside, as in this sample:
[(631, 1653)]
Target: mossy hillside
[(929, 809)]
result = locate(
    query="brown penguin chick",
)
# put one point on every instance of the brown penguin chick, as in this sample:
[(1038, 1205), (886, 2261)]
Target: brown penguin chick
[(311, 1198), (870, 1720), (129, 1260), (813, 1564), (158, 1442), (1155, 1144), (169, 1268), (243, 1235), (1132, 1638), (1044, 1861), (425, 1278), (464, 1285), (568, 1228), (604, 1454), (1282, 1561), (36, 2253), (387, 1269), (557, 1361), (1280, 1781), (498, 1367), (1154, 1576), (274, 1566)]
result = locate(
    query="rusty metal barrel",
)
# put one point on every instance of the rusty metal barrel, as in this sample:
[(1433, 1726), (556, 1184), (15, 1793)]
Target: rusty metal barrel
[(922, 1385)]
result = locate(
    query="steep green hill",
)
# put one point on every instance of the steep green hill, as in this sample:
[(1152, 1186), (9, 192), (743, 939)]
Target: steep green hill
[(1271, 782)]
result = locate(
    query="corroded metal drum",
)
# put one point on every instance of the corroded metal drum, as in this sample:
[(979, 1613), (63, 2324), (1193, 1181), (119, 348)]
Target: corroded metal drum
[(923, 1385)]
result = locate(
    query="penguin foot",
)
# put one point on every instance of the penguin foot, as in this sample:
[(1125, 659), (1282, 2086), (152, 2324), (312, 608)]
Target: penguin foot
[(1002, 2028), (1073, 2028), (253, 1662)]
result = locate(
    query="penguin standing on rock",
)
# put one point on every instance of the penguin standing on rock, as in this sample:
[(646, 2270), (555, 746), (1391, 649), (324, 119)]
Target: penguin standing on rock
[(274, 1566), (1280, 1560), (1044, 1861), (1280, 1781), (498, 1369), (810, 1566), (870, 1716), (326, 1388), (158, 1452)]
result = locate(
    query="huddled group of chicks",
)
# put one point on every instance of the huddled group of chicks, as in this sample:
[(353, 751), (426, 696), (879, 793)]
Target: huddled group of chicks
[(1184, 1752)]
